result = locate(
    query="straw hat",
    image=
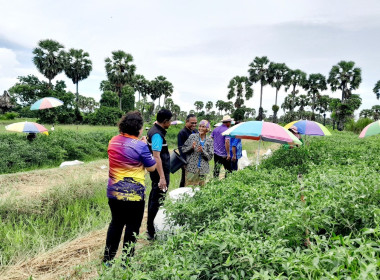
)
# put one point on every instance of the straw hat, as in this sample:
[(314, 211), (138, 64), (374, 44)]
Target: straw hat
[(226, 118)]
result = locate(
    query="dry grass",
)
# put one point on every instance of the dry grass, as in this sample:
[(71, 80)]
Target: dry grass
[(76, 259), (32, 183)]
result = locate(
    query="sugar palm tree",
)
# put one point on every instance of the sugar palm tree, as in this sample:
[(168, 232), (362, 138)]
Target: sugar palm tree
[(323, 106), (376, 90), (314, 85), (78, 67), (220, 106), (345, 77), (278, 72), (258, 72), (139, 84), (240, 87), (198, 105), (161, 87), (209, 106), (49, 58), (120, 71)]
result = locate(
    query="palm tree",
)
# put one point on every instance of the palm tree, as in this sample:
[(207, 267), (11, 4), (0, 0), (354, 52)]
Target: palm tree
[(161, 87), (240, 87), (376, 90), (258, 72), (345, 77), (209, 106), (323, 106), (139, 84), (303, 101), (77, 66), (365, 113), (176, 110), (315, 84), (198, 105), (49, 58), (220, 106), (278, 72), (120, 71)]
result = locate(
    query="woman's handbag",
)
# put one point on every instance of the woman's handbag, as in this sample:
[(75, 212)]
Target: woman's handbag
[(176, 161)]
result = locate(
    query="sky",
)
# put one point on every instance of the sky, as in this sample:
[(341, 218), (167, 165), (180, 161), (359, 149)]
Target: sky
[(199, 46)]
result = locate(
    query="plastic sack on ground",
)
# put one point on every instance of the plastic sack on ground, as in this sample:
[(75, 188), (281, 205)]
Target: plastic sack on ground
[(160, 221), (267, 154), (71, 163), (243, 161)]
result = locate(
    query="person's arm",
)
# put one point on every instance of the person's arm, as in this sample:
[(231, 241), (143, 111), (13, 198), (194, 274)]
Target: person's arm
[(189, 145), (162, 183), (208, 151), (147, 159), (157, 142), (180, 142), (233, 153), (227, 146)]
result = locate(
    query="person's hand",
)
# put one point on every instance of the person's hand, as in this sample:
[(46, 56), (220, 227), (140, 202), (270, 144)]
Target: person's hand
[(144, 139), (194, 144), (228, 158), (233, 158), (162, 184), (200, 149)]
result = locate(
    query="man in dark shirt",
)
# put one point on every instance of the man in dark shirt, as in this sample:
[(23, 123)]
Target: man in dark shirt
[(191, 123)]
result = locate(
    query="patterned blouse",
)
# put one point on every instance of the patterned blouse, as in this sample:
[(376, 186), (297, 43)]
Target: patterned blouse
[(193, 158)]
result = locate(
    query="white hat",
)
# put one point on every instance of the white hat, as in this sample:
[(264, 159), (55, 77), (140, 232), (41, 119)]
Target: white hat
[(226, 118)]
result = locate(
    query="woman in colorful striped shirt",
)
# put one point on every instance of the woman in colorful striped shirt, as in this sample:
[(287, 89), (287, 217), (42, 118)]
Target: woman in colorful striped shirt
[(128, 158)]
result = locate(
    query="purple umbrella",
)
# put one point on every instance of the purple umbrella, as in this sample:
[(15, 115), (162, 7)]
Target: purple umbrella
[(306, 127)]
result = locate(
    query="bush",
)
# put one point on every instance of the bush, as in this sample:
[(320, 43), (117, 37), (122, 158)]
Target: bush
[(104, 116), (47, 151), (357, 126)]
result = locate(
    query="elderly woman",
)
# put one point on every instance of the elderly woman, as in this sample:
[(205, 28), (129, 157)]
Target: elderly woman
[(201, 151), (128, 158)]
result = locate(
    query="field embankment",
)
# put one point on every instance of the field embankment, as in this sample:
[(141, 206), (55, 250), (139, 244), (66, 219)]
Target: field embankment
[(44, 208)]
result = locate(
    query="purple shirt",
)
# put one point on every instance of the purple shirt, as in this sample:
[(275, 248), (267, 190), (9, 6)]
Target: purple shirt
[(219, 140)]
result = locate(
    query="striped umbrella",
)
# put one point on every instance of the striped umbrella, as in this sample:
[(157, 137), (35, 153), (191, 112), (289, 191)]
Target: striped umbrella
[(306, 127), (28, 127), (260, 130), (371, 129), (46, 103)]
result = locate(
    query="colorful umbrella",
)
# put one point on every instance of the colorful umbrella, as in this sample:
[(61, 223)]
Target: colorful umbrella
[(371, 129), (306, 127), (260, 130), (46, 103), (176, 122), (29, 127)]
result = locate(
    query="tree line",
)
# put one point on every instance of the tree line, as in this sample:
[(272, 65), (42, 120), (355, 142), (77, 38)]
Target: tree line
[(122, 84)]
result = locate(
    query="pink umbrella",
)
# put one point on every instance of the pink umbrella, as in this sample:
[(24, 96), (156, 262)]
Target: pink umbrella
[(260, 130)]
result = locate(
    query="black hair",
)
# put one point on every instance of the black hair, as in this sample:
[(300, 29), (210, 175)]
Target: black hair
[(131, 123), (190, 116), (164, 115)]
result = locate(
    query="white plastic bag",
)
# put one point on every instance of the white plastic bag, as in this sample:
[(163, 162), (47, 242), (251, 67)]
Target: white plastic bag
[(71, 163), (243, 161)]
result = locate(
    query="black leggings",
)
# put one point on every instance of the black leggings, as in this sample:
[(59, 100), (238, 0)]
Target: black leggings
[(124, 213)]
